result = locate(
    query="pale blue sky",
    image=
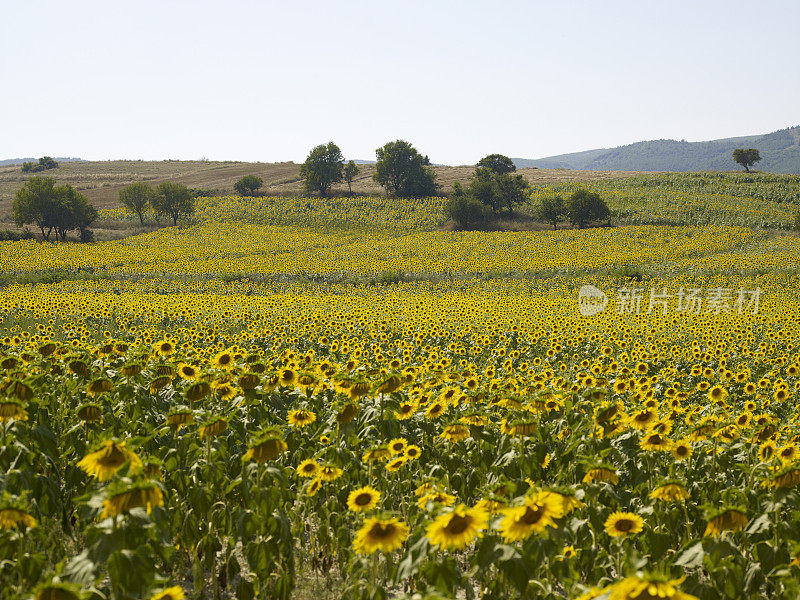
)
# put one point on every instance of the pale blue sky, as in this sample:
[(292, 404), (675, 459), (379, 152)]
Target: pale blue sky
[(268, 80)]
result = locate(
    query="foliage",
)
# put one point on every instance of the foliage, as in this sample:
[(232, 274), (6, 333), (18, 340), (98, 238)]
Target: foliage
[(137, 198), (746, 157), (585, 207), (52, 208), (551, 209), (174, 200), (45, 163), (498, 192), (497, 164), (247, 185), (403, 171), (466, 211), (350, 172), (323, 167)]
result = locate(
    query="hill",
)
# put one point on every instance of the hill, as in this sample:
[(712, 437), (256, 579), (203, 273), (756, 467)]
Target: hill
[(7, 162), (101, 181), (780, 152)]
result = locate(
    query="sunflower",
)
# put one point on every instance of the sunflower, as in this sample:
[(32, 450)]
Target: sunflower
[(789, 476), (308, 468), (125, 496), (412, 452), (214, 426), (623, 524), (90, 412), (491, 506), (223, 360), (789, 453), (380, 534), (98, 386), (329, 473), (363, 499), (656, 442), (58, 591), (642, 419), (164, 348), (601, 473), (14, 514), (396, 463), (681, 450), (728, 519), (671, 491), (197, 391), (455, 529), (12, 409), (569, 552), (455, 432), (314, 486), (538, 512), (173, 593), (407, 410), (179, 417), (109, 457), (436, 497), (301, 418), (648, 588), (397, 446), (267, 446), (378, 453)]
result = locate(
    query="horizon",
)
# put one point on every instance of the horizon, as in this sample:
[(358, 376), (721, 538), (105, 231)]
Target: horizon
[(269, 82)]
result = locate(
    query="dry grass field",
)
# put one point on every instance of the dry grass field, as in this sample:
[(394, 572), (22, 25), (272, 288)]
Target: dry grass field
[(101, 181)]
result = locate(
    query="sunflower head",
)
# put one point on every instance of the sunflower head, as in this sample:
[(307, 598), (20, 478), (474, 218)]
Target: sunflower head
[(363, 499), (456, 528), (621, 524), (108, 458), (14, 513), (380, 534)]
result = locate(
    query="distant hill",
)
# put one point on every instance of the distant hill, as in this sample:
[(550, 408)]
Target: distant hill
[(780, 153), (18, 161)]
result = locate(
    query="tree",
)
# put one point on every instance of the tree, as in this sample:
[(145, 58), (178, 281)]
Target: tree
[(584, 207), (174, 200), (746, 158), (36, 203), (136, 198), (403, 171), (53, 208), (46, 162), (466, 211), (350, 171), (248, 185), (323, 167), (499, 192), (497, 164), (551, 210)]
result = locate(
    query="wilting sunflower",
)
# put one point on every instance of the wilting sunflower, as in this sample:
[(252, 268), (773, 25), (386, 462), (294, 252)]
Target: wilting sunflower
[(98, 386), (173, 593), (58, 591), (180, 416), (538, 512), (648, 588), (380, 534), (378, 453), (601, 473), (657, 442), (109, 457), (125, 495), (363, 499), (457, 528), (267, 446), (197, 391), (90, 412), (301, 418), (14, 514), (308, 468), (436, 497), (789, 476), (396, 463), (728, 519), (491, 506), (12, 409), (671, 491), (213, 426), (329, 473)]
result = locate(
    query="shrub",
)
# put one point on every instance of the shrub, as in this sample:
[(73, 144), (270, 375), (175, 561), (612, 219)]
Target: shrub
[(248, 185), (466, 211), (584, 207)]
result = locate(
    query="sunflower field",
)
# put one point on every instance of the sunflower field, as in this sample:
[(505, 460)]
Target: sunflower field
[(252, 408)]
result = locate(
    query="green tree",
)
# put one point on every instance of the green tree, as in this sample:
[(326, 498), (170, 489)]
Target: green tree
[(746, 157), (350, 172), (75, 212), (36, 203), (466, 211), (403, 171), (137, 197), (585, 207), (324, 166), (174, 200), (497, 164), (499, 192), (551, 210), (248, 185)]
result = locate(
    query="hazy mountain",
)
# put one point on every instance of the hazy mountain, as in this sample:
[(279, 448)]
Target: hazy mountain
[(18, 161), (780, 153)]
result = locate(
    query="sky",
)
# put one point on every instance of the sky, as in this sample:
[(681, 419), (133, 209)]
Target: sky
[(266, 81)]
